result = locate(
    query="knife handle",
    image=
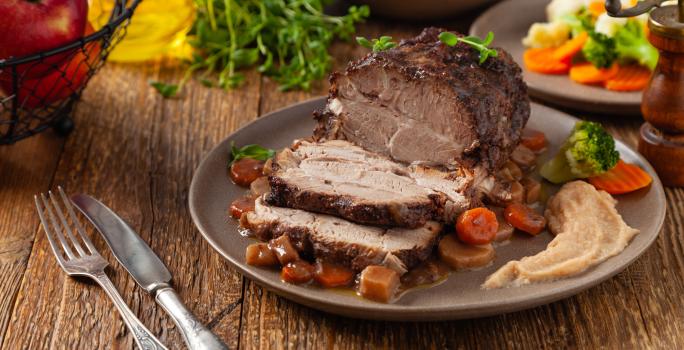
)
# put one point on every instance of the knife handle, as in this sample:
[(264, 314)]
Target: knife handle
[(196, 336)]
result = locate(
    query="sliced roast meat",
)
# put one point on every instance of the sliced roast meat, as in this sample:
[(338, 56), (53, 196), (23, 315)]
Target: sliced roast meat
[(341, 241), (341, 179), (424, 101)]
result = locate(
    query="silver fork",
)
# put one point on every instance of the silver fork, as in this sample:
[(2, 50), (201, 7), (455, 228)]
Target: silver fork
[(85, 261)]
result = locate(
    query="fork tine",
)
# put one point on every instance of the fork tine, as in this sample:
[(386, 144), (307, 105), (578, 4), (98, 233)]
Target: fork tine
[(69, 230), (74, 219), (46, 228), (57, 228)]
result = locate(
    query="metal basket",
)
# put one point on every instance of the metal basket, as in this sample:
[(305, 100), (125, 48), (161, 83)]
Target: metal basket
[(38, 91)]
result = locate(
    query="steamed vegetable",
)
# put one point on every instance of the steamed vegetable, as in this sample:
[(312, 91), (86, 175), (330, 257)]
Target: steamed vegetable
[(631, 44), (588, 151), (623, 178), (629, 78), (477, 226), (600, 50)]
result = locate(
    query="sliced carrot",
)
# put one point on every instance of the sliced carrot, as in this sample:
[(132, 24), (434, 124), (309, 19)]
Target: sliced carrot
[(477, 226), (623, 178), (524, 218), (597, 8), (586, 73), (542, 61), (535, 140), (629, 78), (571, 47), (330, 275)]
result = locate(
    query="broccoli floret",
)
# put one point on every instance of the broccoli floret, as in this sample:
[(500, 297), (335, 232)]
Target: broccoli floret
[(588, 151), (599, 50), (631, 44), (578, 23)]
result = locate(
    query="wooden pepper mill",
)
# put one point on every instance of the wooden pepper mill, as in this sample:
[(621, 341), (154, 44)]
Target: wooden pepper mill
[(662, 136)]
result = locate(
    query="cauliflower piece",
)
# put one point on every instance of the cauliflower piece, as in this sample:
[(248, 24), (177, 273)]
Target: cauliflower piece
[(609, 25), (543, 35), (556, 9)]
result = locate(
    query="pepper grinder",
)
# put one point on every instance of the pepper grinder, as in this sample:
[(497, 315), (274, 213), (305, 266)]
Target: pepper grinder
[(661, 138)]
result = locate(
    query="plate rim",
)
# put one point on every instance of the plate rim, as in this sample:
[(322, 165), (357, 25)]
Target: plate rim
[(614, 107), (410, 312)]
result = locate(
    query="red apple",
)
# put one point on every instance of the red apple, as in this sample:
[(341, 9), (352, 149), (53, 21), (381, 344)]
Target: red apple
[(58, 84), (32, 26)]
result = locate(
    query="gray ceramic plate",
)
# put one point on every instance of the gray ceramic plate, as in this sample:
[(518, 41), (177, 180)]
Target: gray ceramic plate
[(460, 295), (510, 20)]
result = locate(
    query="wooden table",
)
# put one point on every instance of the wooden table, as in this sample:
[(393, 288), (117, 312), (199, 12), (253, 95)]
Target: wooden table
[(137, 152)]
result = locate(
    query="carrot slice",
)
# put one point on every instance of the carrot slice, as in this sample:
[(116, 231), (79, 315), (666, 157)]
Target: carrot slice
[(542, 61), (629, 78), (597, 8), (524, 218), (330, 275), (623, 178), (477, 226), (571, 47), (535, 140), (586, 73)]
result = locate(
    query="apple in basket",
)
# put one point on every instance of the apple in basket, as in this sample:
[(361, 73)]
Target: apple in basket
[(62, 80), (33, 26)]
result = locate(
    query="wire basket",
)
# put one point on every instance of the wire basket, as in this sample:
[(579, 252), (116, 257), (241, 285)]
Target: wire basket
[(38, 91)]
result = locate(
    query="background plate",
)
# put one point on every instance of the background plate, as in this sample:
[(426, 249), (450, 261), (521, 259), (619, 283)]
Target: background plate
[(510, 20), (460, 295)]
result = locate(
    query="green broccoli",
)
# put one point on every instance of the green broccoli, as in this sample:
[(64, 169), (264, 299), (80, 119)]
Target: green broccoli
[(588, 151), (600, 50), (631, 44), (578, 23)]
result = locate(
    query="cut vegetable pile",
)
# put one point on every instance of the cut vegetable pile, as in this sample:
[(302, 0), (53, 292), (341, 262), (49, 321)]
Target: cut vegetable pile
[(583, 41)]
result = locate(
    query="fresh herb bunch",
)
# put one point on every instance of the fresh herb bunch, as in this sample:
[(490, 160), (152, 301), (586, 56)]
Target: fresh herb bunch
[(289, 39), (383, 43), (249, 151), (481, 45)]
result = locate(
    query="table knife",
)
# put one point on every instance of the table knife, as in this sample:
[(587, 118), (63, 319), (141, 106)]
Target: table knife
[(147, 270)]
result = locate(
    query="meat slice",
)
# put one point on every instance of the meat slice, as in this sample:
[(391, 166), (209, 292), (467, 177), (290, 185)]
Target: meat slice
[(341, 179), (343, 242), (424, 101)]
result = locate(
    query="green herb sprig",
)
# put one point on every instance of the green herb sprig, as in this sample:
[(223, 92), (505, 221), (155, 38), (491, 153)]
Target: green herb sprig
[(478, 44), (287, 40), (381, 44), (249, 151)]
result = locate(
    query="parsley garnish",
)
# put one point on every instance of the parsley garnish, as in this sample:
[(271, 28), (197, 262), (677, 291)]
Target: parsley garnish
[(250, 151), (286, 40), (381, 44), (478, 44)]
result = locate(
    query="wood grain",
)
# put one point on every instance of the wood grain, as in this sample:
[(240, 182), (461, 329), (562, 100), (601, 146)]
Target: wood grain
[(137, 152)]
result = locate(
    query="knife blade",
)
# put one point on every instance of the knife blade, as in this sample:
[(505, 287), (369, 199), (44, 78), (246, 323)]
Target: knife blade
[(146, 269)]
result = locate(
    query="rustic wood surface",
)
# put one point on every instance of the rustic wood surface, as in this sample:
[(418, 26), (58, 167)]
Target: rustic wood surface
[(137, 152)]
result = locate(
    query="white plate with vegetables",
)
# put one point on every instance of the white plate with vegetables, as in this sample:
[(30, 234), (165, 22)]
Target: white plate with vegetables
[(462, 294), (573, 54)]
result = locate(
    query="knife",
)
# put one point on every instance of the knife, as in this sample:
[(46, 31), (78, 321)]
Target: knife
[(147, 269)]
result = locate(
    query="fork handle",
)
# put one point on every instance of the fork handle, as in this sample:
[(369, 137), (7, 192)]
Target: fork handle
[(143, 337), (196, 336)]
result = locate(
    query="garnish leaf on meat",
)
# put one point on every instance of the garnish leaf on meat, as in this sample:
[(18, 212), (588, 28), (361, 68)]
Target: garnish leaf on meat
[(381, 44), (481, 45), (250, 151)]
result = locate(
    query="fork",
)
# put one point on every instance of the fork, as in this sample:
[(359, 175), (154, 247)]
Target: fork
[(85, 261)]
